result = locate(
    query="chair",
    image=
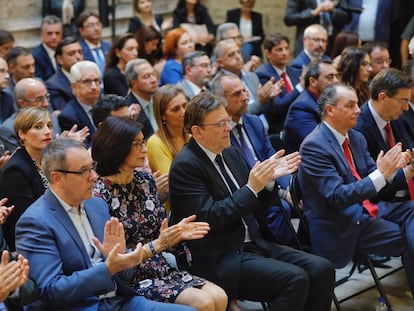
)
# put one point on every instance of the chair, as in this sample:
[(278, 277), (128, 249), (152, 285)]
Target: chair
[(304, 232)]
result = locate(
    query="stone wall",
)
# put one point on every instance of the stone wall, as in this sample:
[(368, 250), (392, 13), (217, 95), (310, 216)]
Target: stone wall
[(23, 17)]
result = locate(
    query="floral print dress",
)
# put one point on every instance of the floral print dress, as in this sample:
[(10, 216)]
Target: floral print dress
[(137, 205)]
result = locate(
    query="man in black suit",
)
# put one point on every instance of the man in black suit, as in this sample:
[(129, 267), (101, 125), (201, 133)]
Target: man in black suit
[(238, 253), (143, 82), (51, 32), (86, 86)]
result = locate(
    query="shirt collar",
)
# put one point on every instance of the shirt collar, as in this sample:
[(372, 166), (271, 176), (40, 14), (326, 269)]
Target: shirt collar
[(381, 123)]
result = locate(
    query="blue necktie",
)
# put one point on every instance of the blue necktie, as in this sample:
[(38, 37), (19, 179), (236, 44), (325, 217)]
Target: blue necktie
[(244, 148), (100, 60)]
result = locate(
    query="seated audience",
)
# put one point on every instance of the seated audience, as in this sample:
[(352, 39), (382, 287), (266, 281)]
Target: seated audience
[(250, 25), (51, 32), (169, 138), (277, 52), (119, 148), (61, 233), (343, 187), (315, 42), (123, 49), (145, 17), (303, 114), (6, 42), (239, 247), (379, 56), (68, 52), (176, 44), (34, 128), (143, 82), (197, 73), (86, 81), (194, 13), (354, 69), (93, 47)]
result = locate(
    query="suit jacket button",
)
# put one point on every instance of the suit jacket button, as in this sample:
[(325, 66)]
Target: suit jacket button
[(358, 222), (238, 251)]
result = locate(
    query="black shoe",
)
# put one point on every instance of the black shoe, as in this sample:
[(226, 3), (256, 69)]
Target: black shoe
[(377, 261)]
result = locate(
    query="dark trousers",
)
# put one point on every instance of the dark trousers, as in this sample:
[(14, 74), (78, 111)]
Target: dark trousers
[(287, 278)]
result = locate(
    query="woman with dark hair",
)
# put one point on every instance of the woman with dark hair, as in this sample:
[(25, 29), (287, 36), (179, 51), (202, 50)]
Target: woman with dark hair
[(144, 17), (176, 44), (354, 69), (119, 148), (149, 44), (123, 49), (344, 39), (193, 12), (6, 42), (22, 181), (169, 106)]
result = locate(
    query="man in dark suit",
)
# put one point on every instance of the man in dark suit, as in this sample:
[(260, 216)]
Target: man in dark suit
[(341, 183), (86, 83), (6, 99), (277, 52), (248, 135), (60, 236), (143, 81), (238, 253), (197, 73), (229, 59), (409, 70), (315, 42), (303, 114), (380, 121), (51, 32), (68, 52), (93, 47)]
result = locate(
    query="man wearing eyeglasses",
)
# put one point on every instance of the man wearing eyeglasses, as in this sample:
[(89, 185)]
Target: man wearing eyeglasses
[(210, 179), (379, 55), (197, 73), (380, 119), (86, 87), (93, 47), (315, 42)]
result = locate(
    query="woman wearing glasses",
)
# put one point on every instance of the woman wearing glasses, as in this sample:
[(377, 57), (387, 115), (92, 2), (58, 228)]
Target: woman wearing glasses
[(22, 181), (169, 107), (119, 147)]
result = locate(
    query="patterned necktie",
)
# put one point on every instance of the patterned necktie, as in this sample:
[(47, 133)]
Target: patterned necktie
[(100, 59), (391, 143), (244, 148), (371, 208), (286, 81)]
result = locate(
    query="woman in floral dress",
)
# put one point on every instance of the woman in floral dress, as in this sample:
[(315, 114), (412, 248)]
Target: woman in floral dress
[(118, 147)]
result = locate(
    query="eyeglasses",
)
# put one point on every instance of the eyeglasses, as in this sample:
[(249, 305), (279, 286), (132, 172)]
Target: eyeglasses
[(39, 99), (88, 82), (93, 25), (140, 145), (237, 38), (322, 40), (83, 172), (402, 101), (382, 61), (203, 65), (221, 124)]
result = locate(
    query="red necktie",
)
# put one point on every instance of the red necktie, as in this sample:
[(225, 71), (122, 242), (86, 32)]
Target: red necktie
[(371, 208), (391, 143), (287, 84)]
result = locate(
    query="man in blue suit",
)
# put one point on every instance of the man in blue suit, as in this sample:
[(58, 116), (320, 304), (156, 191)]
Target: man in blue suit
[(390, 94), (277, 52), (259, 147), (342, 187), (315, 42), (86, 82), (60, 236), (68, 52), (51, 33), (93, 47), (303, 114)]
